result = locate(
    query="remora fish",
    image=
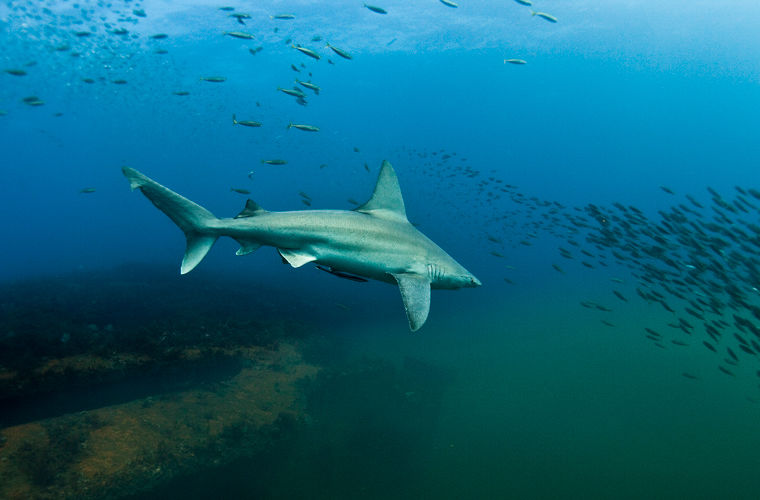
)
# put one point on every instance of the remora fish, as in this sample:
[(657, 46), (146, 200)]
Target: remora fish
[(374, 241)]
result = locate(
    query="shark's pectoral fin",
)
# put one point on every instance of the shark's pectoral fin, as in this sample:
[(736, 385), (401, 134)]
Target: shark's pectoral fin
[(415, 292), (296, 258)]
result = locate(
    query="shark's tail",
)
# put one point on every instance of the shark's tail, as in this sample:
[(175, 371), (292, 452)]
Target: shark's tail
[(194, 220)]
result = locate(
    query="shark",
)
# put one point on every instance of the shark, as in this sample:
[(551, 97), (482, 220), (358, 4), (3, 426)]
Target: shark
[(374, 241)]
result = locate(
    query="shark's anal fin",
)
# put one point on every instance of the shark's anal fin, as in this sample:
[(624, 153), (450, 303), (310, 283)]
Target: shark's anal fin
[(415, 292), (296, 258)]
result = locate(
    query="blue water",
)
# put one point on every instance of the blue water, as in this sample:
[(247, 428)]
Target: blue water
[(616, 99)]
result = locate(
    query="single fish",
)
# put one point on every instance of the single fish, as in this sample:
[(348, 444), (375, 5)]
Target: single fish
[(309, 85), (375, 9), (515, 61), (159, 36), (340, 52), (240, 191), (544, 15), (308, 52), (292, 92), (374, 241), (214, 79), (120, 82), (305, 128), (276, 161), (239, 34), (87, 190), (449, 3), (524, 2), (283, 16), (181, 92), (15, 72), (245, 123)]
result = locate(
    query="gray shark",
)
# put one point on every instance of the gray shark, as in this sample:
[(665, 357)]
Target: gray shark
[(374, 241)]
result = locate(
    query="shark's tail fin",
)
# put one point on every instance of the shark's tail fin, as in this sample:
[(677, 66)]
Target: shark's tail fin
[(194, 220)]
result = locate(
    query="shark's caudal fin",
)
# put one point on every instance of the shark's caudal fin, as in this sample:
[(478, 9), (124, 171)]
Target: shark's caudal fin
[(193, 219)]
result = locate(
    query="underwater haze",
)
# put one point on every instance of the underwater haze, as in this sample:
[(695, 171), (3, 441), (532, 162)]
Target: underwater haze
[(595, 164)]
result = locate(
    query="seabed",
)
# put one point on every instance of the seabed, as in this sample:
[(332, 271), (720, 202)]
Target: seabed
[(110, 388)]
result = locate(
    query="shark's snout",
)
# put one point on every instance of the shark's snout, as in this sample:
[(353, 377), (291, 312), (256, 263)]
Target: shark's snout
[(474, 282)]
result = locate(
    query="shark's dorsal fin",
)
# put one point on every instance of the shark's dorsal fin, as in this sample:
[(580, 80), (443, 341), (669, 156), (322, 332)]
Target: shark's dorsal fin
[(251, 208), (415, 292), (386, 201)]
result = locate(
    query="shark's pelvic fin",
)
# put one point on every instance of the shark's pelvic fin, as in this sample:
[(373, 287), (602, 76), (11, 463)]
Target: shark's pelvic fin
[(415, 292), (194, 220), (251, 209), (296, 258), (386, 201), (247, 247)]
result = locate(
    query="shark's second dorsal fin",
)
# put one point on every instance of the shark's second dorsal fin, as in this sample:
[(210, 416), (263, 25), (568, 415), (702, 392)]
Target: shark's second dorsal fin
[(386, 201), (251, 208)]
